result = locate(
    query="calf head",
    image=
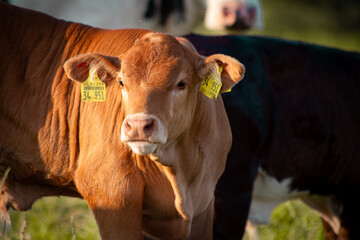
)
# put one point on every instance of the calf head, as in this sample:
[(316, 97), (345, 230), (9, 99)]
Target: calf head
[(160, 76)]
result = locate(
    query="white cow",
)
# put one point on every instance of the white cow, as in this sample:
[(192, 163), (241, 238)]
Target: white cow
[(233, 14), (178, 17)]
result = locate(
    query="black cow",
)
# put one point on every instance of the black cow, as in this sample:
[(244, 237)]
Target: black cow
[(297, 116)]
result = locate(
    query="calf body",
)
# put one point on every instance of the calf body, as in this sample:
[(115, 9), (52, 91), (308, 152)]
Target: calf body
[(296, 114), (153, 173)]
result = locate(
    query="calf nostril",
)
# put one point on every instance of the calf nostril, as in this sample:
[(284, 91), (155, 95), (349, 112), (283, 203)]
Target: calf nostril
[(149, 124), (127, 125), (139, 129)]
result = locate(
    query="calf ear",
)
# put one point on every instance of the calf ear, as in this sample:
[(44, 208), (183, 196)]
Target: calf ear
[(233, 71), (78, 67), (187, 44)]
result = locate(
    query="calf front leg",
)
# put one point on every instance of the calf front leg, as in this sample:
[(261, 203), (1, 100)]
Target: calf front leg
[(115, 199)]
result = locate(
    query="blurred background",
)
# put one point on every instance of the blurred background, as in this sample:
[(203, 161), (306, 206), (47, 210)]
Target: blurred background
[(331, 23)]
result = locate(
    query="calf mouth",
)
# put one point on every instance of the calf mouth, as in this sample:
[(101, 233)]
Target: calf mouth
[(142, 147)]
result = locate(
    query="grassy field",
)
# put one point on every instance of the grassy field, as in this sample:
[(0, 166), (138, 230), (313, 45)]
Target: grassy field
[(55, 218), (315, 21), (62, 218), (292, 220), (67, 218), (323, 24)]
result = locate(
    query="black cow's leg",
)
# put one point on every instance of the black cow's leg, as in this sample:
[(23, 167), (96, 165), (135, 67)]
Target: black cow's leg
[(229, 220), (232, 200), (349, 219)]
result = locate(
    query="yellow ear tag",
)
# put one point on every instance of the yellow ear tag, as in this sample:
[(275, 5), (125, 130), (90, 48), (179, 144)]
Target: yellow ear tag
[(211, 86), (229, 90), (93, 89)]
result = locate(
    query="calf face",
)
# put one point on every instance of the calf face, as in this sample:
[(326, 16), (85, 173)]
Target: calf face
[(160, 77)]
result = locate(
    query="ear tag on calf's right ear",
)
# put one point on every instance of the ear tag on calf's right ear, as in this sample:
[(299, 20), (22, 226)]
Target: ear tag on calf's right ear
[(93, 89), (211, 85)]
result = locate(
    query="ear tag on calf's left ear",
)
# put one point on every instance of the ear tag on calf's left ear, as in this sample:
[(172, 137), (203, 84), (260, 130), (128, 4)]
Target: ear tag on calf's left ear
[(229, 90), (211, 85), (93, 89)]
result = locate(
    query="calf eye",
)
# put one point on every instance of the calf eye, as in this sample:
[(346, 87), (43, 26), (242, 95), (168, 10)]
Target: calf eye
[(180, 85), (121, 82)]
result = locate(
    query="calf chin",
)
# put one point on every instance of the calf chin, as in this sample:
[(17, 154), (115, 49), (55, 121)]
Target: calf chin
[(142, 147)]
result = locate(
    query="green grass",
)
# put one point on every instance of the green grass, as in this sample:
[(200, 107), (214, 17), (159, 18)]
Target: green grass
[(63, 218), (55, 218), (292, 220)]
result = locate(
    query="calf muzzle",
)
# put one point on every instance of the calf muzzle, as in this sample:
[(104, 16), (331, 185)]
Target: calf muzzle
[(143, 133)]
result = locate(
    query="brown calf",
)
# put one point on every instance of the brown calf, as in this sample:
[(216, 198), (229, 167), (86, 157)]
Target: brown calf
[(146, 158)]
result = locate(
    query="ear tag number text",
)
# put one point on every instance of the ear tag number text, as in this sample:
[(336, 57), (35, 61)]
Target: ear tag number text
[(93, 89)]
